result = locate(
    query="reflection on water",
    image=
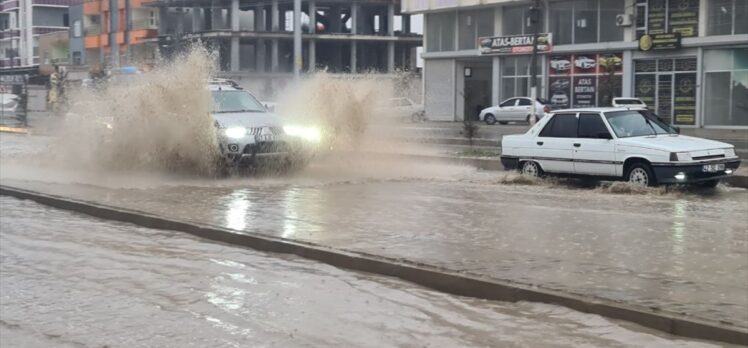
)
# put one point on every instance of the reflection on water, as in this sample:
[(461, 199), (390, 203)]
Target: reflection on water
[(290, 204), (237, 209), (680, 213)]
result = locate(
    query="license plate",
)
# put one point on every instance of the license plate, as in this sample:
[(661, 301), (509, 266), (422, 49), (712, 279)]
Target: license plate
[(265, 137), (711, 168)]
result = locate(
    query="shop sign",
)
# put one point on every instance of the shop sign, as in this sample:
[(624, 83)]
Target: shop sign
[(514, 44), (656, 42)]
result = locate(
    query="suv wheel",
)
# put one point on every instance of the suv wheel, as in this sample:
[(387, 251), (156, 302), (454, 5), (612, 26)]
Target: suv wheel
[(490, 119), (641, 175)]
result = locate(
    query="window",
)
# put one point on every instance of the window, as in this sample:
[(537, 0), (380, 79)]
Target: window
[(727, 17), (726, 87), (524, 102), (515, 80), (474, 24), (77, 60), (561, 126), (77, 28), (592, 126), (662, 16), (669, 87), (509, 102), (441, 32), (515, 21), (585, 21)]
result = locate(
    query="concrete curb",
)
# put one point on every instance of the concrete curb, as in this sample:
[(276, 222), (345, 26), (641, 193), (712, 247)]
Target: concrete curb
[(429, 276)]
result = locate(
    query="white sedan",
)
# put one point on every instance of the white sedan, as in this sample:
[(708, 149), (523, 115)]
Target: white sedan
[(617, 144), (514, 110)]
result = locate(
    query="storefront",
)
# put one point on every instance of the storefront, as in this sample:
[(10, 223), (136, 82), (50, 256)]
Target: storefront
[(687, 59)]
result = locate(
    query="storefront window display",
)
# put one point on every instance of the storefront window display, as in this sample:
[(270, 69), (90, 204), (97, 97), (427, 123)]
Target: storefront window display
[(668, 86), (584, 80)]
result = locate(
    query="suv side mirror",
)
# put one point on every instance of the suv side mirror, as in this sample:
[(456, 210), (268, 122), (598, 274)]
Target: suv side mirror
[(604, 135)]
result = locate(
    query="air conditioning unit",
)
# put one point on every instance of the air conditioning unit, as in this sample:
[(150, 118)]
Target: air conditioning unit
[(623, 20)]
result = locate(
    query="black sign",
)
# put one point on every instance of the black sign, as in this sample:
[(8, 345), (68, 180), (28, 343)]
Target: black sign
[(685, 99), (655, 42), (585, 91), (514, 44)]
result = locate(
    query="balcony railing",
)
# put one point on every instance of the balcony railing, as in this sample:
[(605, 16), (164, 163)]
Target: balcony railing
[(57, 2)]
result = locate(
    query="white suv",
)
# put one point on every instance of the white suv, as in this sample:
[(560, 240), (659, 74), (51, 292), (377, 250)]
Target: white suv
[(617, 144), (248, 133)]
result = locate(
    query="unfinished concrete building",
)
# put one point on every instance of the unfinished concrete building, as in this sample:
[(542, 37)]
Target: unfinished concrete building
[(255, 37)]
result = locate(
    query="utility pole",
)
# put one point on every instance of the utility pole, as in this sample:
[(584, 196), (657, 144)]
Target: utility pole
[(534, 19), (297, 58)]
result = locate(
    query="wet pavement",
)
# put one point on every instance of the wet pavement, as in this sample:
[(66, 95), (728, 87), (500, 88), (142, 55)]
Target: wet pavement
[(679, 252), (73, 281)]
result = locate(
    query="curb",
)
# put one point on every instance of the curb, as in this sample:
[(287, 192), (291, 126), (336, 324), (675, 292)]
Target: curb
[(436, 278)]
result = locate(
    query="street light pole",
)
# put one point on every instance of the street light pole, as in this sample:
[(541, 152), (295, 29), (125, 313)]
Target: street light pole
[(534, 19)]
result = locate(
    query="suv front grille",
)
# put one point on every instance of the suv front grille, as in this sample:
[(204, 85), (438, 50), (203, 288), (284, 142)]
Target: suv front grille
[(258, 130)]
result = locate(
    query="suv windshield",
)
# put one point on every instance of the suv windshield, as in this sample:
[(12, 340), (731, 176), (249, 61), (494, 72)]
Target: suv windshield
[(635, 124), (235, 101)]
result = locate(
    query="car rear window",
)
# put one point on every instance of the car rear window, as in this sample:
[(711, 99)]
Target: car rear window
[(561, 126)]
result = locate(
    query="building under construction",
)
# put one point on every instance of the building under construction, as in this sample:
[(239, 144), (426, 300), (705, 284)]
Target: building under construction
[(256, 36)]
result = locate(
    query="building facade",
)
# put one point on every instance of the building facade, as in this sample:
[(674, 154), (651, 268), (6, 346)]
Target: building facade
[(21, 24), (253, 39), (687, 59), (113, 33)]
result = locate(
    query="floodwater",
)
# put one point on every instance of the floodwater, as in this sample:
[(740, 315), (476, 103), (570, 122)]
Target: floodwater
[(678, 252), (73, 281)]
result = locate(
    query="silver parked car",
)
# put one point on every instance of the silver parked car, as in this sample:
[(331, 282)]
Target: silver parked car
[(514, 110)]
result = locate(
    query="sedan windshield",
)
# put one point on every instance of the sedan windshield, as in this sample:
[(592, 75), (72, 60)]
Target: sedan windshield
[(235, 101), (635, 124)]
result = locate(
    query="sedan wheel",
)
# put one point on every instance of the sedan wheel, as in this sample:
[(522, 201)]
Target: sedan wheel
[(641, 175), (532, 169), (490, 119)]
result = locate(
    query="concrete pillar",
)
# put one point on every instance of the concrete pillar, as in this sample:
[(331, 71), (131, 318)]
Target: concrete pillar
[(259, 18), (391, 19), (298, 60), (312, 55), (217, 16), (235, 53), (627, 85), (312, 17), (180, 24), (406, 23), (234, 15), (274, 17), (354, 57), (391, 56), (355, 9), (197, 24), (113, 29), (274, 56), (260, 56)]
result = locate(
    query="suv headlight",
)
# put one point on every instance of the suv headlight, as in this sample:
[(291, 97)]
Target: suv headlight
[(307, 133), (235, 132), (730, 152)]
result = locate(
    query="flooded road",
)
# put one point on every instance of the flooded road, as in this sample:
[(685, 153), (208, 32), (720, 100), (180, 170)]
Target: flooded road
[(74, 281), (678, 252)]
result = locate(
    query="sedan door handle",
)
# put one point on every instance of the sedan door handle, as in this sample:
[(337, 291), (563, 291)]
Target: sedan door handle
[(577, 144), (540, 143)]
